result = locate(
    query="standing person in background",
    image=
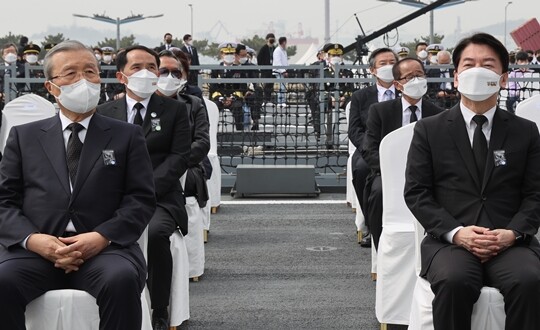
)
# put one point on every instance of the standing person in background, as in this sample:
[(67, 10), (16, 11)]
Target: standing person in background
[(280, 58), (194, 56), (167, 39), (266, 57), (515, 88)]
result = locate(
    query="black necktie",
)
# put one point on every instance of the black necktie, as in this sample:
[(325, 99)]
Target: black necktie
[(138, 120), (480, 147), (73, 152), (413, 109)]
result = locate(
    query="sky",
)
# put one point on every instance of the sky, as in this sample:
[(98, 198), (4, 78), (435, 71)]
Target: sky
[(231, 20)]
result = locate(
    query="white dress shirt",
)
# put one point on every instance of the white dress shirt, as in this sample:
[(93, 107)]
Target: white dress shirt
[(65, 121), (280, 59), (381, 90), (471, 126), (406, 117), (131, 111)]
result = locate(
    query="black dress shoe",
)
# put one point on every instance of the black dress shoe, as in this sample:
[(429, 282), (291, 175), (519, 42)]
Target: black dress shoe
[(160, 323), (366, 241)]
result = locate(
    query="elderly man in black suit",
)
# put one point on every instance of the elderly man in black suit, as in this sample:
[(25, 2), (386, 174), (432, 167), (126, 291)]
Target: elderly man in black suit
[(472, 181), (381, 62), (76, 192), (385, 117), (165, 124)]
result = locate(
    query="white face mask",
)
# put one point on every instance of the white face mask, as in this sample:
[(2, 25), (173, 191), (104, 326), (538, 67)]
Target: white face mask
[(384, 73), (415, 88), (10, 58), (336, 61), (433, 59), (143, 83), (169, 85), (79, 97), (228, 58), (98, 57), (422, 55), (243, 60), (478, 84), (107, 58), (32, 59)]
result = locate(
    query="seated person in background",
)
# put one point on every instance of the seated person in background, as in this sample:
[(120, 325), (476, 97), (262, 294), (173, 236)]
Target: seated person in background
[(516, 88), (386, 117), (74, 224), (443, 94)]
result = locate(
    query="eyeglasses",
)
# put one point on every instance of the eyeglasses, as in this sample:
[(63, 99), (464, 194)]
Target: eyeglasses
[(412, 76), (175, 73), (88, 74)]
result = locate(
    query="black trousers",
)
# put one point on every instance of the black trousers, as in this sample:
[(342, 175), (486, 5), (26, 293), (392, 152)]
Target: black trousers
[(360, 172), (160, 229), (113, 280), (457, 276), (375, 209)]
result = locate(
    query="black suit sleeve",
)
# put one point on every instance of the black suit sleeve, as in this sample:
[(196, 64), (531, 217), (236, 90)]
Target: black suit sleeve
[(167, 174), (372, 138), (139, 202), (419, 189), (527, 219), (357, 120), (14, 225), (201, 136)]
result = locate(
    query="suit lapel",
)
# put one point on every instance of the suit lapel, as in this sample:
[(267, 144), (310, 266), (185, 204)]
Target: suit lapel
[(155, 106), (52, 142), (97, 139), (497, 138), (398, 117), (459, 134), (118, 110)]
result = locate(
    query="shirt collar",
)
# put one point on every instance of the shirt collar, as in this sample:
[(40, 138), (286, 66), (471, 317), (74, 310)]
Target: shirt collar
[(382, 89), (468, 115), (131, 102), (405, 104), (66, 121)]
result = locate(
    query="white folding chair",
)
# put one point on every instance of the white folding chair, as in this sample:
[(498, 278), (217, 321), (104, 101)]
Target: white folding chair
[(395, 256), (351, 196), (488, 311), (530, 109), (22, 110), (214, 184)]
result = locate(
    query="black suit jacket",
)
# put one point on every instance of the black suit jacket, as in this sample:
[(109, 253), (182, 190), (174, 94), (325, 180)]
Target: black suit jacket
[(168, 148), (361, 100), (194, 54), (116, 200), (434, 88), (383, 118), (443, 189), (163, 47)]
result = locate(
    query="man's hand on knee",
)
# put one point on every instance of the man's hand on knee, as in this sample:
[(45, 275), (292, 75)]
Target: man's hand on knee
[(47, 246), (88, 244), (476, 240)]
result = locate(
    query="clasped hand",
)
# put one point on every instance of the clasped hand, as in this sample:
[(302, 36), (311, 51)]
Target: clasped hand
[(483, 242), (68, 253)]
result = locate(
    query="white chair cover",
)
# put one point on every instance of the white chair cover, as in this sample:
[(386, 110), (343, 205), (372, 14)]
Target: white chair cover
[(23, 110), (214, 184), (530, 109), (395, 256), (179, 303), (488, 311), (195, 238)]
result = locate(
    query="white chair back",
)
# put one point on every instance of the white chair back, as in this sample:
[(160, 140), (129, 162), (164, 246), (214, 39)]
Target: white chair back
[(530, 109), (213, 118), (352, 148), (393, 158), (23, 110)]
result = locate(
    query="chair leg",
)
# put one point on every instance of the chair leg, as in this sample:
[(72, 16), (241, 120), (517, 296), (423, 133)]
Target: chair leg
[(205, 235), (359, 236), (353, 210), (214, 209), (172, 328), (384, 326), (373, 276), (194, 279)]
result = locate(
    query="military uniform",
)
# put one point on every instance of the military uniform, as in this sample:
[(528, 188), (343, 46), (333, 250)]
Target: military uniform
[(33, 88), (402, 52), (231, 95), (345, 89)]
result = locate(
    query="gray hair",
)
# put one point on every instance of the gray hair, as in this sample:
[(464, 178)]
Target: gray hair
[(64, 46), (445, 52)]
